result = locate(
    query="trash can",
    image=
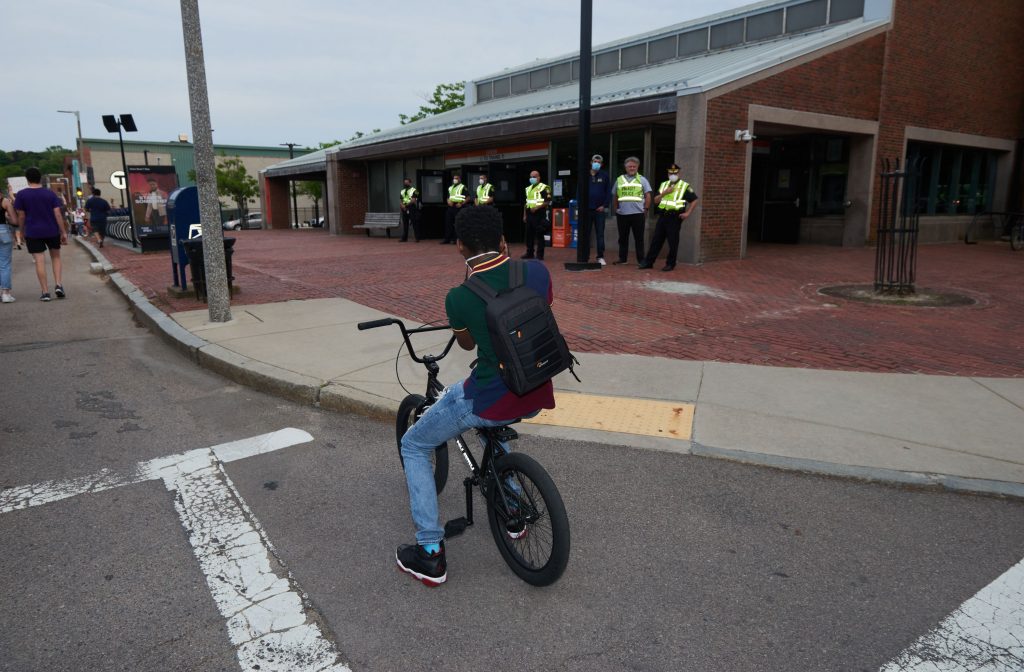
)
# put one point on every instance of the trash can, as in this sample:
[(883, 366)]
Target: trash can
[(197, 264)]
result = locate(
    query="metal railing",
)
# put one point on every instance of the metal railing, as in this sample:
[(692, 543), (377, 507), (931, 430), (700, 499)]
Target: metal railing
[(898, 228)]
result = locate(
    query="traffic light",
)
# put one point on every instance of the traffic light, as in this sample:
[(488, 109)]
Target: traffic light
[(78, 192)]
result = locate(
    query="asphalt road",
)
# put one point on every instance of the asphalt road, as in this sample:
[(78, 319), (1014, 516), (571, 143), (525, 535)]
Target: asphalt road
[(678, 563)]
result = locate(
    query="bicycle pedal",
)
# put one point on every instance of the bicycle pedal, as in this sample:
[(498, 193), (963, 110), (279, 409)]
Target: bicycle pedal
[(455, 527), (504, 433)]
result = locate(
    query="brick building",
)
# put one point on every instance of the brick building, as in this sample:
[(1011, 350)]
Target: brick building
[(826, 89)]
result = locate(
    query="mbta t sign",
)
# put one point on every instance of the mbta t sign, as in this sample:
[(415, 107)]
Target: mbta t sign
[(117, 178)]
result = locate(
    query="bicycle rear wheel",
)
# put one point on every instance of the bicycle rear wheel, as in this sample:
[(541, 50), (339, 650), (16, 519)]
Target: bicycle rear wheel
[(409, 411), (528, 521)]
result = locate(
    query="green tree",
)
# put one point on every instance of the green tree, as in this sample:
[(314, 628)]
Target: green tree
[(313, 189), (234, 182), (446, 97), (50, 161)]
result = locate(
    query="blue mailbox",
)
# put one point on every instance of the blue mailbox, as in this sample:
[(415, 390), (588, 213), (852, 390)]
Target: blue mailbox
[(183, 218), (574, 221)]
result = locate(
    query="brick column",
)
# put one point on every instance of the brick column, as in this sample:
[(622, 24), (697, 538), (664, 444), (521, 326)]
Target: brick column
[(352, 198), (691, 144), (276, 204)]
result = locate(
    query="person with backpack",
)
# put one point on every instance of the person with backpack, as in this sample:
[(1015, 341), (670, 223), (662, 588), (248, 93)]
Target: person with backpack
[(485, 398)]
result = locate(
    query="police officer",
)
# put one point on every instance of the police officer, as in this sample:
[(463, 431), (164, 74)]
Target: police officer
[(410, 207), (456, 200), (535, 215), (484, 191), (675, 201), (631, 199)]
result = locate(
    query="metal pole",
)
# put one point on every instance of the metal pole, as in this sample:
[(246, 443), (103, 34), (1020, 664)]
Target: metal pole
[(127, 186), (583, 142), (217, 290)]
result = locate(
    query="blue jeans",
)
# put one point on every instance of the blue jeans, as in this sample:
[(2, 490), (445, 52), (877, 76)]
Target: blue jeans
[(6, 245), (450, 416)]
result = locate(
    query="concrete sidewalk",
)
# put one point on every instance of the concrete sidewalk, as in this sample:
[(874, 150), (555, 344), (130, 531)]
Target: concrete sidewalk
[(960, 433)]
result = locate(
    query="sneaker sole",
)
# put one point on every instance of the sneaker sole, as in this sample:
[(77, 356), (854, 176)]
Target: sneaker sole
[(430, 581)]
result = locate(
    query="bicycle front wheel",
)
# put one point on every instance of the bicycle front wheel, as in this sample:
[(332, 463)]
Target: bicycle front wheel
[(409, 411), (1017, 237), (528, 520)]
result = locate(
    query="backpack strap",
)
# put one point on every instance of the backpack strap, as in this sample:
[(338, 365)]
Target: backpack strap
[(516, 278), (515, 273)]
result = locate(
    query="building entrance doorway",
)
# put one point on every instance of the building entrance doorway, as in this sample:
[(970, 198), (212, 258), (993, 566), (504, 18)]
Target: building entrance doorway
[(798, 188)]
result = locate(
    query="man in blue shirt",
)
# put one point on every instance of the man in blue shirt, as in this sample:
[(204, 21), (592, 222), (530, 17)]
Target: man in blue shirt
[(600, 199), (97, 209)]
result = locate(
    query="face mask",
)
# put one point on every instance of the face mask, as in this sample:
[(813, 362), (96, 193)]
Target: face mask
[(455, 181), (595, 166), (483, 181), (534, 180), (673, 178)]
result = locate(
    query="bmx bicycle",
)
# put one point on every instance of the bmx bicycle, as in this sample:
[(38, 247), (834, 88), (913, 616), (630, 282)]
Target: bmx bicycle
[(524, 509)]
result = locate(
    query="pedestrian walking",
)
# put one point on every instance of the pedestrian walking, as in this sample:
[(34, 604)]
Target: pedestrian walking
[(9, 233), (79, 221), (456, 200), (410, 209), (41, 218), (97, 209), (535, 216), (631, 199), (675, 202)]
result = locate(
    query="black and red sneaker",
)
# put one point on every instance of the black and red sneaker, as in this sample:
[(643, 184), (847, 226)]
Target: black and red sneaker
[(430, 568)]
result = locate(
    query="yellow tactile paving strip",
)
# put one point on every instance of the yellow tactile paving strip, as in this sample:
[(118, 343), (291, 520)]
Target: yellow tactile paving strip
[(668, 419)]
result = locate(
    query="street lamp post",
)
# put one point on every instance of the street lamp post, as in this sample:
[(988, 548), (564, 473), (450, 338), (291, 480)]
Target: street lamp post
[(583, 147), (114, 124), (295, 203), (76, 178)]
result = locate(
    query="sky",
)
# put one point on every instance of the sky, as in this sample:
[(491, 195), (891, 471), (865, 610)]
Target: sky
[(302, 71)]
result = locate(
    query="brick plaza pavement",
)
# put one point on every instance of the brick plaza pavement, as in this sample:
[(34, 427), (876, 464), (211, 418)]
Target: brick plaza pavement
[(761, 310)]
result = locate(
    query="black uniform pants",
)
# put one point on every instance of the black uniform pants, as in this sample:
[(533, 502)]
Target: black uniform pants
[(449, 223), (667, 228), (411, 216), (536, 227), (631, 224)]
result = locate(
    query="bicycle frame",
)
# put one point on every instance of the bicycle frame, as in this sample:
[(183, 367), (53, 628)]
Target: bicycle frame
[(493, 436)]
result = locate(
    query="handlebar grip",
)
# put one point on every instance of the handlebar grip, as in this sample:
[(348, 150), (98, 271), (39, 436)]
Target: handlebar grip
[(373, 324)]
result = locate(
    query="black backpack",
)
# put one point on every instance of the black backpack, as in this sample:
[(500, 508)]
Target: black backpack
[(523, 331)]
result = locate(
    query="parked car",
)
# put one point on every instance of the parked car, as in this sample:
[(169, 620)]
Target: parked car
[(254, 220), (315, 222)]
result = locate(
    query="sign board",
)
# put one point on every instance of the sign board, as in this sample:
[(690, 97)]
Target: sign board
[(117, 179)]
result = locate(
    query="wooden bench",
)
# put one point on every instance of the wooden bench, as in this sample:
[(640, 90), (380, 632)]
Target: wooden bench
[(380, 220)]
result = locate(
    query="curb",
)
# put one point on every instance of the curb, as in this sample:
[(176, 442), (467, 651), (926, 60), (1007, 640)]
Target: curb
[(343, 398)]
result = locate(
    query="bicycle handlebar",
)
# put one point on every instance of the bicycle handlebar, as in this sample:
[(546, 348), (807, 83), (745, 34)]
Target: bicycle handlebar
[(373, 324)]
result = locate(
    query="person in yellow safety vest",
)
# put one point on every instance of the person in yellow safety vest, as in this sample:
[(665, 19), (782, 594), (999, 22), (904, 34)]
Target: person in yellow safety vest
[(484, 192), (675, 201), (456, 200), (535, 215), (631, 199), (410, 208)]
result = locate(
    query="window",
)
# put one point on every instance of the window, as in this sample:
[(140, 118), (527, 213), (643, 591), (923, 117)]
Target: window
[(484, 91), (662, 50), (606, 63), (576, 69), (763, 26), (727, 34), (953, 180), (501, 88), (561, 73), (694, 42), (844, 10), (520, 83), (539, 78), (634, 57), (378, 174), (806, 16)]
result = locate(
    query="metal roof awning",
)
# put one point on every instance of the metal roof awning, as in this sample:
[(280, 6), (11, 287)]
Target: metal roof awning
[(311, 165)]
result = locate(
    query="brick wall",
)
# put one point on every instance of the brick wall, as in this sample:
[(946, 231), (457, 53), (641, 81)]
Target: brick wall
[(943, 65), (953, 67), (845, 83), (353, 192)]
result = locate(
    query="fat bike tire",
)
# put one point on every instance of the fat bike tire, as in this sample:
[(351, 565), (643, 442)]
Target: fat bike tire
[(409, 411)]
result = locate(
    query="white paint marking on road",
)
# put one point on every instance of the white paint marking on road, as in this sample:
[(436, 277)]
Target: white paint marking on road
[(984, 634), (267, 620), (25, 496)]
